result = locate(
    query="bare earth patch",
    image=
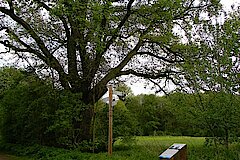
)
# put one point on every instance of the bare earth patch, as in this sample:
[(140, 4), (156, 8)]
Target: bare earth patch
[(4, 157)]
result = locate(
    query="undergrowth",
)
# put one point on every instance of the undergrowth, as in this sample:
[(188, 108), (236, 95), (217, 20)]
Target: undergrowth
[(142, 150)]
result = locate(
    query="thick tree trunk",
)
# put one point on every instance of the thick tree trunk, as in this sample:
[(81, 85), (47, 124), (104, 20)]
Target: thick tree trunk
[(86, 124), (83, 128)]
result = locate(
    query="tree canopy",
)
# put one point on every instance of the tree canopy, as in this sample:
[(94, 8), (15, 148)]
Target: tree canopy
[(87, 43), (216, 66)]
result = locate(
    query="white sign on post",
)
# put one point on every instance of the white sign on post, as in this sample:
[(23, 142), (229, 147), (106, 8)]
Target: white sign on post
[(114, 101)]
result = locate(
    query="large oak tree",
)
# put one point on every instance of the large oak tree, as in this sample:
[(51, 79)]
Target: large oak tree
[(87, 43)]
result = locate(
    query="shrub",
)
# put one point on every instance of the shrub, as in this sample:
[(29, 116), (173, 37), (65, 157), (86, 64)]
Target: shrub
[(32, 112)]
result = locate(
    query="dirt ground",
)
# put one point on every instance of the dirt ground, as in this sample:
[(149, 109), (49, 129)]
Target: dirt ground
[(4, 157)]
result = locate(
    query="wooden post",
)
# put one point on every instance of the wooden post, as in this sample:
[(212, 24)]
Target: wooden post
[(110, 134)]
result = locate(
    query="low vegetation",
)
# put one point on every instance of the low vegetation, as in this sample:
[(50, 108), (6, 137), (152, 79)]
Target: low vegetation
[(145, 148)]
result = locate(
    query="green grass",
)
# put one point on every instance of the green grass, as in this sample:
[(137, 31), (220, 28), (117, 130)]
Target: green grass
[(196, 148), (169, 140), (145, 148), (154, 145), (150, 147)]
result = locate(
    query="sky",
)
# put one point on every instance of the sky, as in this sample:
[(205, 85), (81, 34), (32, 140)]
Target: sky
[(227, 3), (138, 87)]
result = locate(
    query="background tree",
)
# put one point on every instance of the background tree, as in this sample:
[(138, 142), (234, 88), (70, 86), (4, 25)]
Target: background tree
[(175, 114), (9, 78), (24, 120), (215, 70), (124, 124), (122, 87), (150, 112), (88, 43), (184, 116), (220, 117)]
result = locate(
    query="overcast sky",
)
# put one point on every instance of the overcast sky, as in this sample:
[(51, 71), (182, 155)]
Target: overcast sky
[(227, 3), (138, 87)]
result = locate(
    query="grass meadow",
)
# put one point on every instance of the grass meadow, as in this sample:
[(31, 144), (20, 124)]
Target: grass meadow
[(144, 148)]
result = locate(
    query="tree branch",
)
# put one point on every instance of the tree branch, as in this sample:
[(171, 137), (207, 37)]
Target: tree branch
[(97, 60), (10, 3), (167, 50), (72, 60), (7, 44), (160, 87), (28, 48), (114, 72), (146, 75), (64, 21), (160, 58), (120, 25), (29, 30), (50, 59)]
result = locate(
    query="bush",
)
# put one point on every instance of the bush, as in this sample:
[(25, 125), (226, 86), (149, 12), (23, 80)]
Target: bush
[(27, 112), (32, 112)]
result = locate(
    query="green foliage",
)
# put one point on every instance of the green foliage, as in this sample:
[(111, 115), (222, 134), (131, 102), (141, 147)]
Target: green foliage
[(213, 64), (24, 111), (183, 120), (129, 29), (9, 78), (99, 41), (209, 114), (213, 69), (33, 112), (69, 110), (149, 112), (220, 115), (123, 122), (145, 148), (122, 87), (124, 125)]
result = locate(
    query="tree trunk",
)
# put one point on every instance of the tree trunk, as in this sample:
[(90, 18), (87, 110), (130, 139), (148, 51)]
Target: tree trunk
[(86, 124), (226, 140), (82, 128)]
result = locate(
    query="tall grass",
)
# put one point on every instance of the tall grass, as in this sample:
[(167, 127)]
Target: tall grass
[(145, 148), (196, 148)]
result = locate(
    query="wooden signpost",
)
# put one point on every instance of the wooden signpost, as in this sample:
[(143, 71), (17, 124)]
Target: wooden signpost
[(110, 134), (112, 102)]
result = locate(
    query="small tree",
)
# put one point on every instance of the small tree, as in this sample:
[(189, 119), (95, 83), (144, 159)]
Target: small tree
[(220, 116)]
